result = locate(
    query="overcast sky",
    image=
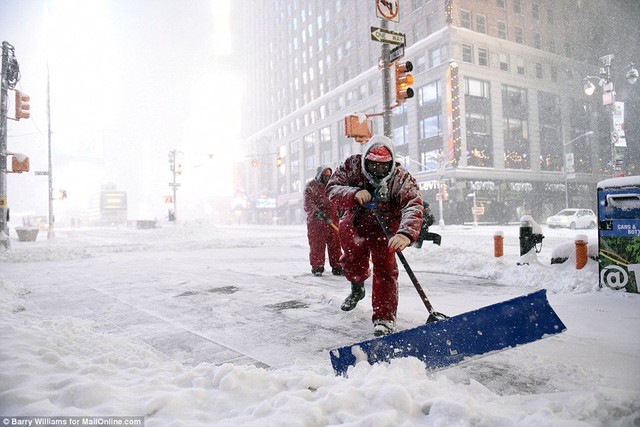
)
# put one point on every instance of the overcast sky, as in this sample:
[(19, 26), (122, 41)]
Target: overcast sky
[(130, 80)]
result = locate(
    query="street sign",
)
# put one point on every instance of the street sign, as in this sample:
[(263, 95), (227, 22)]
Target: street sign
[(177, 184), (570, 163), (386, 36), (3, 202), (388, 9), (477, 210), (396, 52), (41, 173)]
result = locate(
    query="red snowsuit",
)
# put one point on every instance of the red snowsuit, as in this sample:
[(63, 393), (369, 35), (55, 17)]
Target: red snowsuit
[(319, 232), (361, 235)]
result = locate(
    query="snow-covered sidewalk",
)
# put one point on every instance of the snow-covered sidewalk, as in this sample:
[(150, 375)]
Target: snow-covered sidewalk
[(207, 325)]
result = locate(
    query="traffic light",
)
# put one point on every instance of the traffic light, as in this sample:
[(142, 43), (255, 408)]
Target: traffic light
[(172, 161), (403, 80), (179, 169), (22, 105), (279, 161)]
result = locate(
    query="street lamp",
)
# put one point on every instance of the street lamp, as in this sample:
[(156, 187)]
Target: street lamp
[(564, 168), (475, 209), (608, 96)]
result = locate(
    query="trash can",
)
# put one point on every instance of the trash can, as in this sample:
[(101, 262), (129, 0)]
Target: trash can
[(27, 234), (619, 233)]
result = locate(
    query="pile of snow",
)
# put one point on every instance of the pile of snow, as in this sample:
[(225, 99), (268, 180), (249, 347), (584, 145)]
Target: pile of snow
[(53, 365)]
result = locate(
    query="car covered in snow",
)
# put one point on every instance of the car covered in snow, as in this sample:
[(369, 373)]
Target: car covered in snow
[(573, 218)]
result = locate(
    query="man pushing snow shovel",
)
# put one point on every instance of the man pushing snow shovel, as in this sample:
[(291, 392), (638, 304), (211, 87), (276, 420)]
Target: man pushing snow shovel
[(362, 184)]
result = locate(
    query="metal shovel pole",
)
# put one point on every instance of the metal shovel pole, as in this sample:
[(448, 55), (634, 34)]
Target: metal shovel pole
[(433, 315)]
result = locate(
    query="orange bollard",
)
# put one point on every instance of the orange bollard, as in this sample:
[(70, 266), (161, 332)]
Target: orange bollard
[(581, 252), (498, 244)]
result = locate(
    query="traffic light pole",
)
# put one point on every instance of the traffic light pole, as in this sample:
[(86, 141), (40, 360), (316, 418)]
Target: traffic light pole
[(4, 229), (386, 85), (50, 232)]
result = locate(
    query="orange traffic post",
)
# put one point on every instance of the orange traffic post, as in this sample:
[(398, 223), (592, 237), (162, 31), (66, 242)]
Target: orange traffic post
[(581, 251), (498, 244)]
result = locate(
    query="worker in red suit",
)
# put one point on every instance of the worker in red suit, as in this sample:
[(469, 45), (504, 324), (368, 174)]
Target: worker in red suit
[(322, 230), (362, 184)]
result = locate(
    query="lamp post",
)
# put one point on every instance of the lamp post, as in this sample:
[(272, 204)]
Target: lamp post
[(564, 167), (475, 209), (606, 82)]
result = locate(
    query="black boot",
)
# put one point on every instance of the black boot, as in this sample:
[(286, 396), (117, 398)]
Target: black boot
[(357, 293), (337, 271)]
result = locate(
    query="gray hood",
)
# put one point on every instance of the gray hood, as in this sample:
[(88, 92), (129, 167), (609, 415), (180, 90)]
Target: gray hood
[(380, 184)]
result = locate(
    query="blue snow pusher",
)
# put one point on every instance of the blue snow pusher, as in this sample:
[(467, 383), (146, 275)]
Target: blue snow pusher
[(460, 338)]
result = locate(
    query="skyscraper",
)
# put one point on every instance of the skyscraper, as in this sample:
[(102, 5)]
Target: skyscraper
[(498, 95)]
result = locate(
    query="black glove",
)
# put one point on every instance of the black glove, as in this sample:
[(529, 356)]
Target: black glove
[(320, 215)]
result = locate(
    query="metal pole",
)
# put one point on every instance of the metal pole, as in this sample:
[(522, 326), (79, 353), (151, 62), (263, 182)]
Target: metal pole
[(564, 169), (51, 232), (175, 191), (612, 139), (386, 85), (3, 146), (475, 211), (441, 171)]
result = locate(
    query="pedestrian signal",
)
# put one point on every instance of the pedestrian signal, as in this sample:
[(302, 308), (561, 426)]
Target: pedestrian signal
[(22, 105)]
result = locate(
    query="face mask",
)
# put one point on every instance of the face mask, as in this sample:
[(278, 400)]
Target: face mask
[(324, 178), (378, 170)]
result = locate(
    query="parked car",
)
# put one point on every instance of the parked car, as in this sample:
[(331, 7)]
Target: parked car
[(573, 218)]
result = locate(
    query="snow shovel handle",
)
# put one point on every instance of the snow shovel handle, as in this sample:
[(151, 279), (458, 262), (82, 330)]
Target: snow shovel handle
[(408, 269)]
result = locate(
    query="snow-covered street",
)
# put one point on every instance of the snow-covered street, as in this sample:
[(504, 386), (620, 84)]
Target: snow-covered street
[(198, 324)]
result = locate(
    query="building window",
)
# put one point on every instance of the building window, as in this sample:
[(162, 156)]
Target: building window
[(429, 127), (401, 135), (520, 65), (552, 46), (537, 41), (554, 73), (550, 16), (420, 31), (517, 6), (477, 88), (479, 140), (516, 143), (434, 58), (500, 4), (514, 101), (421, 66), (429, 93), (539, 70), (502, 30), (519, 35), (465, 19), (504, 61), (467, 53), (401, 131), (483, 57), (481, 24), (535, 10)]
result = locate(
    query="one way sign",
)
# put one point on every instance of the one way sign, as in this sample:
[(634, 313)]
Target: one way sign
[(386, 36)]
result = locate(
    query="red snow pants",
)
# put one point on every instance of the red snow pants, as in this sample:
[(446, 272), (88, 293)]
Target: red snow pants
[(355, 262), (322, 236)]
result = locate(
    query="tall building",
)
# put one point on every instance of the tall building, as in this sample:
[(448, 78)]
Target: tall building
[(498, 99)]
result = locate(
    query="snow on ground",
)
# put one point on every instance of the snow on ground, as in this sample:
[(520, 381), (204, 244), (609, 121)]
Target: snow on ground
[(199, 324)]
